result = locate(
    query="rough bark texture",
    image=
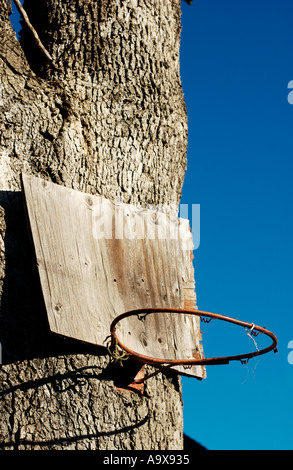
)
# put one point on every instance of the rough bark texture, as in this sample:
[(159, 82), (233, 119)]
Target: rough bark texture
[(110, 121)]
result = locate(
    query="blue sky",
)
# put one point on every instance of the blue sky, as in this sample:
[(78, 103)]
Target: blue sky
[(236, 63)]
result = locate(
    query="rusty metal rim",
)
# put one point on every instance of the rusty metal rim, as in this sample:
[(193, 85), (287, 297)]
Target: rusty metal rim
[(189, 362)]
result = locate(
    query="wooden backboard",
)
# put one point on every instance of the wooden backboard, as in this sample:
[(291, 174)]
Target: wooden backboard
[(97, 259)]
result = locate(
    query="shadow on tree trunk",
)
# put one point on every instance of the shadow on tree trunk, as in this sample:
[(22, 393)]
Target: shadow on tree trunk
[(24, 327)]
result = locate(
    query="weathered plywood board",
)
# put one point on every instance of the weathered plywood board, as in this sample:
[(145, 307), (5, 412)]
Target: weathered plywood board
[(97, 259)]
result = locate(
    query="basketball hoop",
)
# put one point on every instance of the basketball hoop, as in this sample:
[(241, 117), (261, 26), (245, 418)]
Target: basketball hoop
[(251, 328)]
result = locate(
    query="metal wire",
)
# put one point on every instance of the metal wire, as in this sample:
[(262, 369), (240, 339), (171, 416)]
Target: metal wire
[(168, 363)]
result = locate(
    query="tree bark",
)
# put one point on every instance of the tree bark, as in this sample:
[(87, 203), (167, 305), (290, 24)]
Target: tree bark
[(110, 120)]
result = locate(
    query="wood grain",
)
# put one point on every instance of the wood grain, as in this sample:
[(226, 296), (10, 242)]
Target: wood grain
[(97, 259)]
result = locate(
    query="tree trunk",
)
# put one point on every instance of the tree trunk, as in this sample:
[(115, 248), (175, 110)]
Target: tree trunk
[(110, 120)]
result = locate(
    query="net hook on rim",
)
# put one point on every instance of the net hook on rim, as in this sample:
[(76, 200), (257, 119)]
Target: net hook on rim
[(164, 364)]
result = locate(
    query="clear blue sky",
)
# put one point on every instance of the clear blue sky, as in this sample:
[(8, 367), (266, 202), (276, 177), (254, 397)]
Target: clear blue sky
[(236, 63)]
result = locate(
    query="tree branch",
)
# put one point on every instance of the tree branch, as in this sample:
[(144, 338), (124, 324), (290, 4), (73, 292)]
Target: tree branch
[(34, 33)]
